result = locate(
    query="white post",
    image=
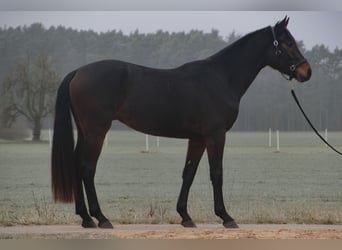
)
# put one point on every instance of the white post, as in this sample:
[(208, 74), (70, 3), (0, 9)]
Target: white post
[(50, 138), (278, 149), (326, 137), (269, 137), (146, 144), (106, 140), (157, 141)]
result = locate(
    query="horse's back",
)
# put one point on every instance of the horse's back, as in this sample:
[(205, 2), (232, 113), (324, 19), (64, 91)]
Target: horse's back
[(179, 102)]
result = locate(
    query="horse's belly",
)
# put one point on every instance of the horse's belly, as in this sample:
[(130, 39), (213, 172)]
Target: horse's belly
[(159, 124)]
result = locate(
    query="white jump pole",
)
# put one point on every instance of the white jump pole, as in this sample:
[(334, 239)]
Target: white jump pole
[(106, 140), (50, 138), (50, 133), (278, 148), (326, 137), (269, 137), (147, 148)]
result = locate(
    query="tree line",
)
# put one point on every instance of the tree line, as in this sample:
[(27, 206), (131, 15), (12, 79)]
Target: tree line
[(267, 104)]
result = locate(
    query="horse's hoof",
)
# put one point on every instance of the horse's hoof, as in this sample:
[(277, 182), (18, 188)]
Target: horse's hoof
[(230, 224), (106, 225), (89, 224), (188, 223)]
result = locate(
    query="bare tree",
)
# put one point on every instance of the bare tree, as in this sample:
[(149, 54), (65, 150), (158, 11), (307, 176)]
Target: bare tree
[(29, 91)]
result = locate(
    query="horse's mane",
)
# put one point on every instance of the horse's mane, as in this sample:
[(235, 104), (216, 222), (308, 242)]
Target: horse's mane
[(233, 47)]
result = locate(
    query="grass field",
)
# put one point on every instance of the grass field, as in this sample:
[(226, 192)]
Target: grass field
[(300, 184)]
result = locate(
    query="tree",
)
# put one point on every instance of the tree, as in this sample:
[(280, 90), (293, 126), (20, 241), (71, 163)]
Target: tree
[(266, 104), (29, 91)]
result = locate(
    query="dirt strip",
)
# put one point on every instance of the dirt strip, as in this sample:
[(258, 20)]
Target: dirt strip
[(165, 231)]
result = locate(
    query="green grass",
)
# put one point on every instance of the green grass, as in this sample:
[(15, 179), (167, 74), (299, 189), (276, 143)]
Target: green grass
[(301, 184)]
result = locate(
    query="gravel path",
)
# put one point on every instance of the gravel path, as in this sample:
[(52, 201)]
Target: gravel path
[(166, 231)]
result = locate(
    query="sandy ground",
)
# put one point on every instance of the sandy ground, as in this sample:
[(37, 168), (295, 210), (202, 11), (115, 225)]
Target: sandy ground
[(165, 231)]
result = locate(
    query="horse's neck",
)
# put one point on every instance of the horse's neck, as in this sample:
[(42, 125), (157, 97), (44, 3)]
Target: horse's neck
[(241, 62)]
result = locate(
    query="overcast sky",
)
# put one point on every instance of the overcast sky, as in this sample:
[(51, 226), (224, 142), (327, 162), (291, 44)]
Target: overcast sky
[(312, 27), (193, 5)]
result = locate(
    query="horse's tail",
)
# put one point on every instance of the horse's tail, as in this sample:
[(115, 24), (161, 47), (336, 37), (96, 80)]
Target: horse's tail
[(63, 169)]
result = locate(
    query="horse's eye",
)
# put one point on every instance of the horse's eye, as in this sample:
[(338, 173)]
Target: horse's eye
[(289, 43)]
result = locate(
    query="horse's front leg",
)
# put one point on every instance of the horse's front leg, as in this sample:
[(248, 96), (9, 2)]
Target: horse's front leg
[(196, 148), (215, 149)]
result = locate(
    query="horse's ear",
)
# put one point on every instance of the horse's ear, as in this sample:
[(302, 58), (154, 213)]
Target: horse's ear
[(280, 26)]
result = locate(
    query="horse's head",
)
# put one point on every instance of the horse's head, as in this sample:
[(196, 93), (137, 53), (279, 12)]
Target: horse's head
[(284, 55)]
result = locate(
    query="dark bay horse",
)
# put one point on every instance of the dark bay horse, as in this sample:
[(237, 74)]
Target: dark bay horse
[(198, 100)]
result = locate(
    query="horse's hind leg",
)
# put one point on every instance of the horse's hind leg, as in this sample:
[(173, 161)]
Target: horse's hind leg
[(89, 152), (81, 208)]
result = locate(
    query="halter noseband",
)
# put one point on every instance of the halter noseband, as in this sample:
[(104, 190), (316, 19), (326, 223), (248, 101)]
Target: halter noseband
[(278, 52)]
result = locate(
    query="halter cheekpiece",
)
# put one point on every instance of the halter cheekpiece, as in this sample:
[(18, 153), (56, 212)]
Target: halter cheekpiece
[(278, 53)]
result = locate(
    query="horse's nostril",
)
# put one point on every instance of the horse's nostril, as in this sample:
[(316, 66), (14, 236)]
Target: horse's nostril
[(309, 73)]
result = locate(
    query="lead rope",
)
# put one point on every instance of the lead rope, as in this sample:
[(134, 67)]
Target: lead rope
[(310, 123)]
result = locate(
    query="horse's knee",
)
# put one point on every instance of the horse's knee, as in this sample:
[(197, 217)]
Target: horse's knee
[(216, 178)]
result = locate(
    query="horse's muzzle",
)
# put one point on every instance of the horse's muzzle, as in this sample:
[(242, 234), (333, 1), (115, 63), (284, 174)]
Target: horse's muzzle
[(303, 72)]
